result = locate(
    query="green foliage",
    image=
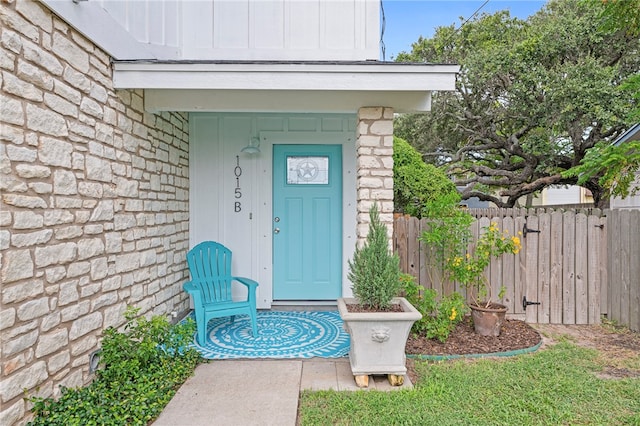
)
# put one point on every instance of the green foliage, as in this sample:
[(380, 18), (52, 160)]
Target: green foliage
[(532, 97), (555, 386), (415, 183), (623, 16), (448, 233), (439, 318), (631, 86), (374, 270), (467, 268), (614, 167), (452, 257), (142, 369)]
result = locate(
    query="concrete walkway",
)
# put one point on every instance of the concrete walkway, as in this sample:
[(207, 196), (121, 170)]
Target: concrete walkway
[(257, 392)]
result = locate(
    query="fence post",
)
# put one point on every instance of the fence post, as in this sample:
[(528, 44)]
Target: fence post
[(544, 268), (581, 272), (634, 269), (594, 254)]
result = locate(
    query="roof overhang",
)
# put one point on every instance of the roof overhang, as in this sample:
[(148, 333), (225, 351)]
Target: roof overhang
[(284, 86), (632, 134)]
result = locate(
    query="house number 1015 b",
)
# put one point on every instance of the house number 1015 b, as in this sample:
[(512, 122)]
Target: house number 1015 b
[(237, 171)]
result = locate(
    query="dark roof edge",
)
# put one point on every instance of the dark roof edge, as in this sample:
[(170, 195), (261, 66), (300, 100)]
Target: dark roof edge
[(267, 62), (633, 133)]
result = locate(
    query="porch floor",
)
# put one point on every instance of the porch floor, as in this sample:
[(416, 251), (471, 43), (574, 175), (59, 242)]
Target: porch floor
[(258, 392)]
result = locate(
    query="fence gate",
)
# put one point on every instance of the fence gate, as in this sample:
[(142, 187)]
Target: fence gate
[(623, 296), (562, 264)]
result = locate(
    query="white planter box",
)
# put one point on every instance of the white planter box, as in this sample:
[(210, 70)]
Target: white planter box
[(378, 339)]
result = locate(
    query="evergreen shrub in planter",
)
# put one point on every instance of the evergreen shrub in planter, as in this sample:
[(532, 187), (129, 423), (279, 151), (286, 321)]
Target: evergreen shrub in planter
[(377, 320)]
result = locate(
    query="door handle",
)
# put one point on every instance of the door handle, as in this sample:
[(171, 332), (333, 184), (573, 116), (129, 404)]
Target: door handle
[(276, 231)]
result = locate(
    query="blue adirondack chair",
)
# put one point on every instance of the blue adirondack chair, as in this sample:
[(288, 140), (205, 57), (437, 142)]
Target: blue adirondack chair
[(210, 286)]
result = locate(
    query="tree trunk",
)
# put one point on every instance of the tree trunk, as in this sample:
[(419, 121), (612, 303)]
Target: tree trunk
[(600, 198)]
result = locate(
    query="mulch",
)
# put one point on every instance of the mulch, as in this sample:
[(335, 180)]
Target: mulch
[(619, 347), (463, 340)]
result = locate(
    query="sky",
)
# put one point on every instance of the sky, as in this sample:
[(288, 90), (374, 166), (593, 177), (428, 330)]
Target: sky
[(407, 20)]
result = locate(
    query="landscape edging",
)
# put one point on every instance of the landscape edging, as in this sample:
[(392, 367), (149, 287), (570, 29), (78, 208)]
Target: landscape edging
[(487, 355)]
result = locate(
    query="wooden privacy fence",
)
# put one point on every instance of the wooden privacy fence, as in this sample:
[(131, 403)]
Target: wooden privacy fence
[(562, 264), (623, 301)]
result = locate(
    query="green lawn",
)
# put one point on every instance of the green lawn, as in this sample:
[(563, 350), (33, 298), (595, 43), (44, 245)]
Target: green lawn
[(556, 386)]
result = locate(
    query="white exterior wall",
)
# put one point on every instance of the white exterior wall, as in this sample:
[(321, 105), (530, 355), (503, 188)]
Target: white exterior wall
[(563, 194), (631, 202), (154, 22), (215, 153), (254, 30), (569, 194)]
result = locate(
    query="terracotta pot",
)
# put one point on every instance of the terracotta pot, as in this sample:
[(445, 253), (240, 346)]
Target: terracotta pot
[(488, 321)]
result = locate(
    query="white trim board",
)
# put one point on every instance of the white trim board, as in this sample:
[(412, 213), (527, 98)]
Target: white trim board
[(283, 101), (349, 211), (284, 76), (284, 87)]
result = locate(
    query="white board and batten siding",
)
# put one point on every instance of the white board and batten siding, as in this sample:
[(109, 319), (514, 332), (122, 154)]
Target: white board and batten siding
[(156, 22), (347, 30), (231, 192)]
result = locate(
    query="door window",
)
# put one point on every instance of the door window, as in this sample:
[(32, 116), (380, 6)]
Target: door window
[(307, 170)]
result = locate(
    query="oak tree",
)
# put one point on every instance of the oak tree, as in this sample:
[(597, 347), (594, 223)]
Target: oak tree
[(532, 97)]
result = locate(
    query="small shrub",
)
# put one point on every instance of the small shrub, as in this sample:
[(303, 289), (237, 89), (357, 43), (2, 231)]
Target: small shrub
[(468, 268), (447, 234), (142, 368), (439, 318), (374, 270), (416, 183)]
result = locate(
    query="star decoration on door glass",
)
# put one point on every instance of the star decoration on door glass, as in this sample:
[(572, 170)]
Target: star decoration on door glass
[(308, 170)]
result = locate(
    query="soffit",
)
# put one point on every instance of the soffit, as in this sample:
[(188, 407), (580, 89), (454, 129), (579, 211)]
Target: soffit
[(281, 86)]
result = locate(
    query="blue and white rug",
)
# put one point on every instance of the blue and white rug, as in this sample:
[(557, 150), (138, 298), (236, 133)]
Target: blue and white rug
[(282, 335)]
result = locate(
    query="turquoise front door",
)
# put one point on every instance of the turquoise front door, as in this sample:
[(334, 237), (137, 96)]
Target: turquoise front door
[(307, 222)]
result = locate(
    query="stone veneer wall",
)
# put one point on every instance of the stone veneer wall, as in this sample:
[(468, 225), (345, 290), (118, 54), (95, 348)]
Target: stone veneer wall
[(375, 167), (94, 205)]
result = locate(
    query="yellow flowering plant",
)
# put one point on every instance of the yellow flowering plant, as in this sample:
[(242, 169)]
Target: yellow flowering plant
[(468, 268), (440, 315)]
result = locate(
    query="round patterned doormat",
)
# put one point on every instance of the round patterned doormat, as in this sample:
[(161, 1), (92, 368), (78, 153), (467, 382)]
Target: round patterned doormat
[(280, 335)]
